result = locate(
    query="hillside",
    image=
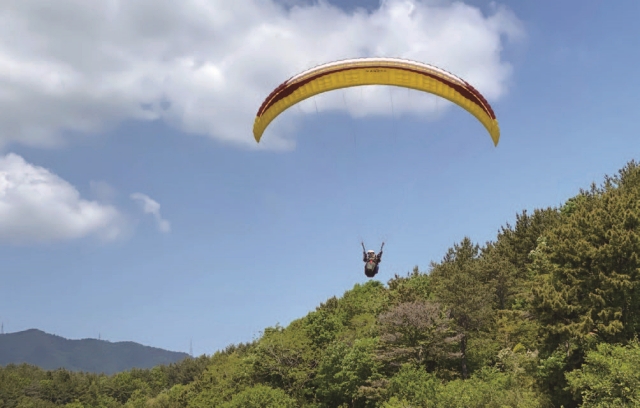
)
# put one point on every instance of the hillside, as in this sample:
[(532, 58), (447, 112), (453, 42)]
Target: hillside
[(50, 352), (546, 315)]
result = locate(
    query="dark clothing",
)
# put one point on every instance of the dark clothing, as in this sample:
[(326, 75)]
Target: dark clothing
[(371, 271), (371, 264)]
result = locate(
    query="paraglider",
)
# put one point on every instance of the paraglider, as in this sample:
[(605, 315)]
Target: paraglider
[(376, 71), (371, 261)]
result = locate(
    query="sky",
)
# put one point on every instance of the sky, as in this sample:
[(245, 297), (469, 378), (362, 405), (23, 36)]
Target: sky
[(135, 204)]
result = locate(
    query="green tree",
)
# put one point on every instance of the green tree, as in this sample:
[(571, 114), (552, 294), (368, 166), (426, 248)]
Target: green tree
[(368, 299), (488, 388), (609, 377), (121, 386), (459, 284), (283, 358), (227, 375), (323, 326), (588, 268), (515, 243), (261, 396), (414, 386), (415, 287), (502, 276), (344, 370)]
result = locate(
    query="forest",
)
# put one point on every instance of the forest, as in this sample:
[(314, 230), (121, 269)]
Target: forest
[(545, 315)]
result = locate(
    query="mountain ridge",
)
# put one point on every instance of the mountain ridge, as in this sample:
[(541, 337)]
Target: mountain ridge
[(51, 351)]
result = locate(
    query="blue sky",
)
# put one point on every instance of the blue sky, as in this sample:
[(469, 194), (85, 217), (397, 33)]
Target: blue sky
[(238, 237)]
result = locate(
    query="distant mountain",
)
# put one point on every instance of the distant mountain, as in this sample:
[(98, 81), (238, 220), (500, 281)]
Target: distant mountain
[(50, 352)]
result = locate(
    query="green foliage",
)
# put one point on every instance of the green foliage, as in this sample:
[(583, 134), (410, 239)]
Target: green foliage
[(517, 327), (460, 285), (322, 327), (413, 385), (516, 243), (609, 377), (415, 287), (521, 364), (488, 388), (343, 370), (121, 386), (30, 402), (261, 396), (551, 370), (227, 375), (482, 349), (172, 398), (183, 372), (283, 358), (586, 272), (589, 269), (394, 402), (370, 298)]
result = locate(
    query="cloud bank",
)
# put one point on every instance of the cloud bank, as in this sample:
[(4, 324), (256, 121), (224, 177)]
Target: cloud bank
[(36, 206), (204, 66)]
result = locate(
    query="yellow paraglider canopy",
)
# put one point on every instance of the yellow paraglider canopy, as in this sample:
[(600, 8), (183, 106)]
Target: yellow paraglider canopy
[(376, 71)]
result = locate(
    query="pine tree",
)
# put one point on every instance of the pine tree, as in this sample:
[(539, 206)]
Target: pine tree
[(460, 286)]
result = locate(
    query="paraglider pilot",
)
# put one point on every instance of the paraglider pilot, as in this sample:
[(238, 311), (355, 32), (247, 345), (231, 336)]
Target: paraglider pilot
[(371, 261)]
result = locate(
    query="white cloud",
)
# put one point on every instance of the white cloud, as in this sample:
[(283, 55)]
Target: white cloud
[(38, 206), (150, 206), (205, 66)]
